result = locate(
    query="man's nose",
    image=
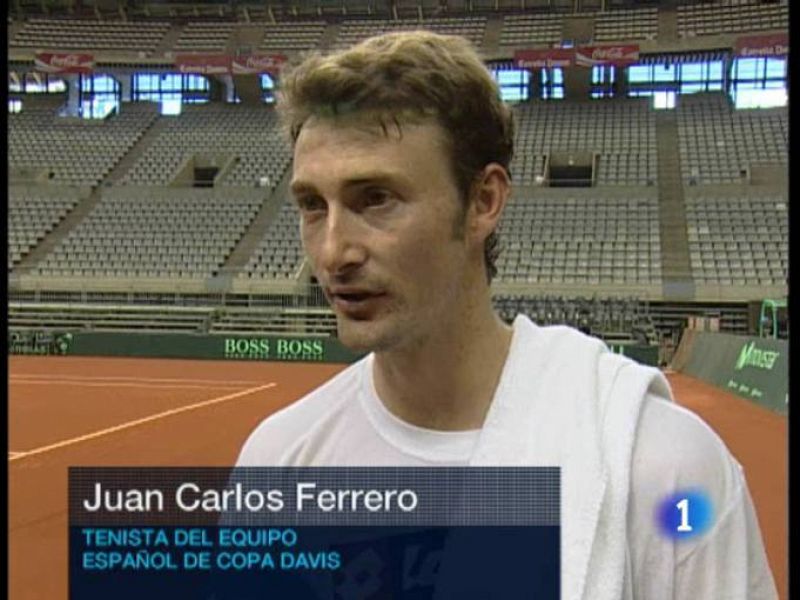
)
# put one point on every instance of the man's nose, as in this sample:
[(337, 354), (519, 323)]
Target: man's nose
[(341, 247)]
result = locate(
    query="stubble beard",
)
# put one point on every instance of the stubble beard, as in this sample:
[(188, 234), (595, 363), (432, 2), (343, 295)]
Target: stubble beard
[(380, 333)]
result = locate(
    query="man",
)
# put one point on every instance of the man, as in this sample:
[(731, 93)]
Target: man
[(401, 156)]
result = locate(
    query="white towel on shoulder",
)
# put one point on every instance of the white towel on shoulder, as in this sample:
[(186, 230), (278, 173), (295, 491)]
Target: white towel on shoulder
[(577, 408)]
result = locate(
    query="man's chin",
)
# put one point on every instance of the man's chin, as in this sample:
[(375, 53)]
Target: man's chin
[(361, 336)]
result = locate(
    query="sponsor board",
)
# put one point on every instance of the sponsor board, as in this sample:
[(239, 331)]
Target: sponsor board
[(620, 56), (253, 64), (272, 348), (544, 59), (181, 345), (754, 368), (39, 342), (62, 62), (582, 56), (203, 64), (754, 46)]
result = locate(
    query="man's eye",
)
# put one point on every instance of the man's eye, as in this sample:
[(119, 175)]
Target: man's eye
[(311, 203), (376, 197)]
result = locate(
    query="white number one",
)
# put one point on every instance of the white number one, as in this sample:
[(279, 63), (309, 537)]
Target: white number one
[(683, 506)]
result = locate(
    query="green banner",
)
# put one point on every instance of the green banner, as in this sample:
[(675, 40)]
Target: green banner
[(218, 347), (646, 355), (182, 345), (753, 368)]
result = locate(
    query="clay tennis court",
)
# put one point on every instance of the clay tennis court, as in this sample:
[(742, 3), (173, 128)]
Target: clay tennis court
[(71, 411)]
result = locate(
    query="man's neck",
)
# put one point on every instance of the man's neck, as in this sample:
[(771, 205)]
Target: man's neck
[(449, 380)]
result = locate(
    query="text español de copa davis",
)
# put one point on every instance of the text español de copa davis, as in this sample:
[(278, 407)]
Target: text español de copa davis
[(190, 497)]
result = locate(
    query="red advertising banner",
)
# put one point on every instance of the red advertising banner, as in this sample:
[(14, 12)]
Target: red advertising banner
[(619, 56), (776, 44), (252, 64), (65, 62), (541, 59), (203, 64)]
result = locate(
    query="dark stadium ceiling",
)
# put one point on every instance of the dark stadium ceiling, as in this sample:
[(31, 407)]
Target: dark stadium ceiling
[(241, 10)]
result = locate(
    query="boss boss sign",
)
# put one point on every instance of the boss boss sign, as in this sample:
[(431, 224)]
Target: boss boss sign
[(280, 348)]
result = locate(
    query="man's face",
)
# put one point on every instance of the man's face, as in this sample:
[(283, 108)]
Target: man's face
[(381, 217)]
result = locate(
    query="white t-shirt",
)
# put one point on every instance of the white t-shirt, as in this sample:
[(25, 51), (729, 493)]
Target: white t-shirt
[(344, 423)]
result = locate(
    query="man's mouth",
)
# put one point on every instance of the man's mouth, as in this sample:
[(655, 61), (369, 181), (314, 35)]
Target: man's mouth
[(355, 302), (353, 296)]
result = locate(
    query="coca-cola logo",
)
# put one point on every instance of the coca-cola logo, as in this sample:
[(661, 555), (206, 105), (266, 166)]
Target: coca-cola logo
[(57, 63), (67, 60), (608, 53), (256, 62)]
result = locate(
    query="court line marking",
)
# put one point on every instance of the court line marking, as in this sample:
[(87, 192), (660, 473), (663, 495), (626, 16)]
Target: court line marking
[(13, 454), (129, 424), (122, 384), (48, 377)]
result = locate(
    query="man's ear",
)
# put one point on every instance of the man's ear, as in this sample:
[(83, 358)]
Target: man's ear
[(490, 192)]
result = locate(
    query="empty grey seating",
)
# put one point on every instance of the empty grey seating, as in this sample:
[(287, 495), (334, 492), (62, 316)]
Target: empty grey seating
[(90, 35), (714, 18), (546, 29), (613, 319), (352, 32), (33, 213), (296, 321), (250, 135), (622, 132), (279, 255), (738, 239), (204, 36), (155, 232), (624, 25), (582, 237), (718, 143), (75, 151), (106, 317), (292, 36), (531, 30)]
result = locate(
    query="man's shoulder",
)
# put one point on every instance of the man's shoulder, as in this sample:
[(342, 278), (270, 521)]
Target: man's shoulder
[(677, 451), (678, 455), (565, 349), (556, 341), (276, 435), (679, 445)]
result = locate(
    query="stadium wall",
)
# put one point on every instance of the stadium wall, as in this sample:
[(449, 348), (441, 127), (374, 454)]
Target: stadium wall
[(216, 346)]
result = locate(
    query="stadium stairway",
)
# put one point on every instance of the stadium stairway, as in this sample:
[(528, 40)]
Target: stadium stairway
[(258, 227), (329, 36), (667, 22), (492, 33), (676, 264), (13, 28), (43, 248), (245, 36), (167, 43), (136, 151)]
